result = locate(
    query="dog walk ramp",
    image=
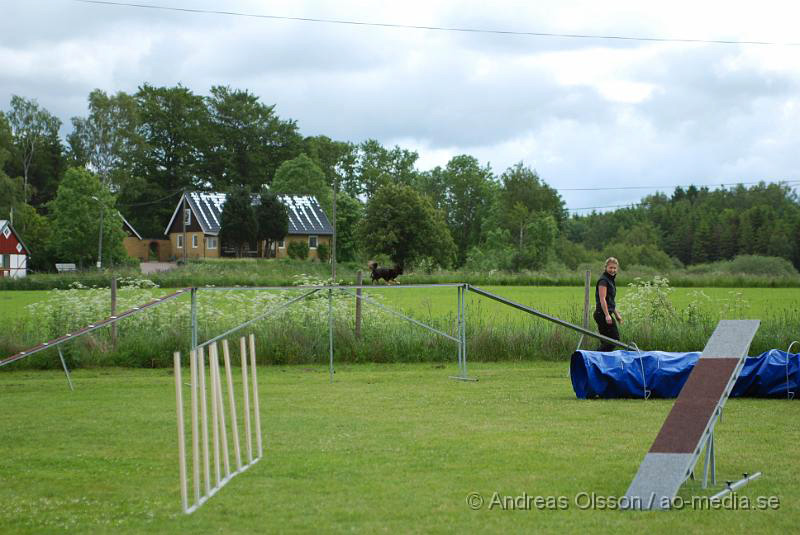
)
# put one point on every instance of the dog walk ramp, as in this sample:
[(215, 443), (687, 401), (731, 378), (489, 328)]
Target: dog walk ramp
[(690, 423)]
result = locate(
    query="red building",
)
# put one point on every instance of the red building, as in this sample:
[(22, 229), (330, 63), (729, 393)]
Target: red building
[(13, 253)]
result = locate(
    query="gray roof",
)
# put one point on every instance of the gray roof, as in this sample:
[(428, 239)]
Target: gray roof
[(305, 214)]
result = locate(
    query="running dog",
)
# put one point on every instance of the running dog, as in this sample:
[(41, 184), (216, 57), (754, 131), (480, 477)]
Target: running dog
[(388, 274)]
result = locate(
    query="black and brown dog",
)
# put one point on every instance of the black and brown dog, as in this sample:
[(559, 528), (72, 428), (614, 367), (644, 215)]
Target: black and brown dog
[(388, 274)]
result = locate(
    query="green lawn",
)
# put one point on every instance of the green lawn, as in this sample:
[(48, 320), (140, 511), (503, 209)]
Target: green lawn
[(386, 448)]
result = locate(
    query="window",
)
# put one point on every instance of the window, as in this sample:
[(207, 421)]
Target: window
[(312, 242), (180, 241), (211, 243), (5, 261), (194, 241), (187, 216), (282, 244)]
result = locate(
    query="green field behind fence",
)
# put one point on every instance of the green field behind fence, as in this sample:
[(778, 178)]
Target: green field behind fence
[(679, 319), (394, 448)]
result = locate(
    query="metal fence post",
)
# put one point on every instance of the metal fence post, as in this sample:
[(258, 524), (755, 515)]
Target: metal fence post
[(330, 330), (359, 281), (113, 312), (194, 317)]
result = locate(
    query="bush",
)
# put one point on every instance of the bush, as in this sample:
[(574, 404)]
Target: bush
[(323, 252), (298, 250), (762, 265)]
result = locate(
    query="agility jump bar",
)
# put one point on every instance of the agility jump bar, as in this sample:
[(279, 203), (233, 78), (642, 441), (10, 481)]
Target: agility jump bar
[(91, 327), (548, 317)]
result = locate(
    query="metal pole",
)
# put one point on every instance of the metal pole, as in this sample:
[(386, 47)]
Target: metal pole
[(529, 310), (359, 276), (464, 329), (458, 329), (330, 330), (113, 312), (333, 238), (586, 292), (732, 487), (66, 370), (100, 240), (194, 317)]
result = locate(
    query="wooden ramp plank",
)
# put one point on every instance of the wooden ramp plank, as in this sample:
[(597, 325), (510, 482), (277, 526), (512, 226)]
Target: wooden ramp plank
[(691, 420)]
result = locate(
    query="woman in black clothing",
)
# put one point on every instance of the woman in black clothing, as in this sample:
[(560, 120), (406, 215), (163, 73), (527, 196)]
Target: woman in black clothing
[(606, 314)]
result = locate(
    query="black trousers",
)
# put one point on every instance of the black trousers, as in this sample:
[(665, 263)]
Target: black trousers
[(610, 331)]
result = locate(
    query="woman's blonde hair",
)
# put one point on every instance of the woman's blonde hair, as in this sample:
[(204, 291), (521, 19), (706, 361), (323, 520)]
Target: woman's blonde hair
[(612, 260)]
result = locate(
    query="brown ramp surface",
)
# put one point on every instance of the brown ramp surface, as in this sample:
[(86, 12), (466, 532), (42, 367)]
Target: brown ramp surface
[(691, 420)]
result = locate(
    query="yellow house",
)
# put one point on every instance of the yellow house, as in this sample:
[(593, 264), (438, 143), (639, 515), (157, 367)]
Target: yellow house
[(193, 230)]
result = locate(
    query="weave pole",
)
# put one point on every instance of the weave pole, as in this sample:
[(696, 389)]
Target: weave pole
[(201, 371), (232, 404), (195, 434), (181, 434), (214, 416), (223, 429), (253, 371), (246, 390)]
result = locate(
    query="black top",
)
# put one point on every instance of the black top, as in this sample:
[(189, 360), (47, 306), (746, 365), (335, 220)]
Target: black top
[(611, 292)]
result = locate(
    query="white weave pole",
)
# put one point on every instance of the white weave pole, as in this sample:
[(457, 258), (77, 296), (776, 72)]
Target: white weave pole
[(176, 357), (223, 429), (226, 354), (201, 370), (253, 371), (195, 434), (245, 389), (214, 414)]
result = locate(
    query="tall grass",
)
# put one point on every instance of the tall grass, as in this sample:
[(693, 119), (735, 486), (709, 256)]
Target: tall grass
[(299, 334)]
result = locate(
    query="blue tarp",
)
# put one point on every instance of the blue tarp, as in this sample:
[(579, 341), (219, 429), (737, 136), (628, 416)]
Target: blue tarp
[(618, 374)]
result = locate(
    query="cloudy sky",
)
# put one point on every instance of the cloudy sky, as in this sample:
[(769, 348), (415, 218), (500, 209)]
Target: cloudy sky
[(585, 113)]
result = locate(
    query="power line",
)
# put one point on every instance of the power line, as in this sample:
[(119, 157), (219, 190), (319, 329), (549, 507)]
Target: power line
[(676, 186), (437, 28), (150, 202)]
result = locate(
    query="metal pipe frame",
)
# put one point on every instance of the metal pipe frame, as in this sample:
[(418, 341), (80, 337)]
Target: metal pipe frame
[(730, 487), (789, 393), (90, 328), (257, 318), (547, 317)]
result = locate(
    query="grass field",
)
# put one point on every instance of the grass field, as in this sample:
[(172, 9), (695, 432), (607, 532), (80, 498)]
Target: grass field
[(298, 335), (438, 302), (386, 448)]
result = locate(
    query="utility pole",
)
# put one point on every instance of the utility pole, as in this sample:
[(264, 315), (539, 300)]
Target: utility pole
[(183, 218), (100, 239), (333, 241)]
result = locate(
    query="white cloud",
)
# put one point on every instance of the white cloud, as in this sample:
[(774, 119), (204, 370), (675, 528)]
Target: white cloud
[(583, 112)]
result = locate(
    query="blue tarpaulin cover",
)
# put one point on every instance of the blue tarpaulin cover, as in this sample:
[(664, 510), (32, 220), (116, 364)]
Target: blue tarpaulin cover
[(618, 374)]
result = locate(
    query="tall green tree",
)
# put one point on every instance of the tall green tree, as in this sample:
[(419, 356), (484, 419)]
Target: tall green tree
[(272, 220), (174, 128), (239, 224), (248, 141), (301, 176), (466, 199), (108, 140), (376, 166), (403, 224), (349, 217), (521, 185), (75, 220), (38, 146)]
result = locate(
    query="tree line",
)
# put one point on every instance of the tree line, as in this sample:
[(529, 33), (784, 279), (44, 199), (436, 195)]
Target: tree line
[(137, 152)]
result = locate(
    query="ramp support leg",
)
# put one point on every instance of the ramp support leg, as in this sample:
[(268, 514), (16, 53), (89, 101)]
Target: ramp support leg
[(710, 461), (64, 365)]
